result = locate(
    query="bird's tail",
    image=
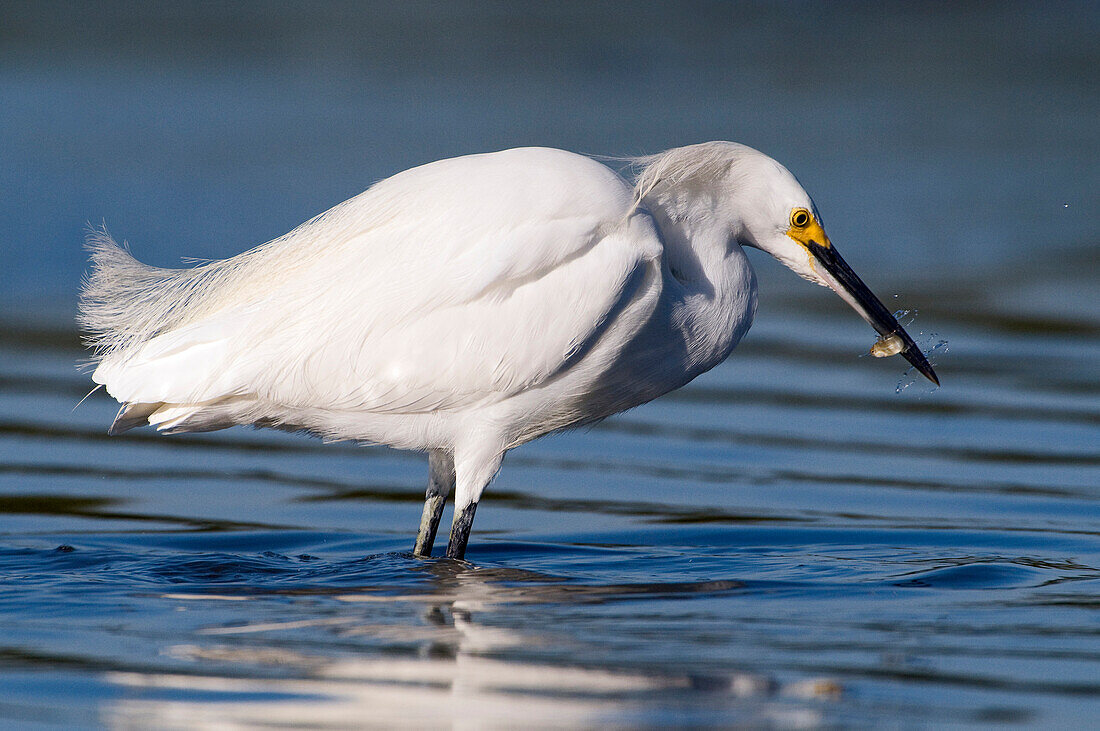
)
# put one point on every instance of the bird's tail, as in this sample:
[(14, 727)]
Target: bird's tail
[(124, 302), (124, 305)]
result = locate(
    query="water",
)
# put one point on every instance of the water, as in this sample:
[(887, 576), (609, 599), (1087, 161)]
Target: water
[(789, 541)]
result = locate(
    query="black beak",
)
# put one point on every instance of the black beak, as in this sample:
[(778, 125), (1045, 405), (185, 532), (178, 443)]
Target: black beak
[(850, 287)]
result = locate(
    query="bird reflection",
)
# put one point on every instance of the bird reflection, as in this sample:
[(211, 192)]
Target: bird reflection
[(430, 657)]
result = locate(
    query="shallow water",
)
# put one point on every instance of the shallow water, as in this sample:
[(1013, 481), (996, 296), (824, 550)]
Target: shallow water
[(788, 541), (749, 549)]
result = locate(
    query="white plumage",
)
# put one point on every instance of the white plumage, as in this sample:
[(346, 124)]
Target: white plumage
[(463, 307)]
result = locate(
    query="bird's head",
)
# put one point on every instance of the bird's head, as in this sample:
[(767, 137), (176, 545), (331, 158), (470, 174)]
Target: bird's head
[(767, 208)]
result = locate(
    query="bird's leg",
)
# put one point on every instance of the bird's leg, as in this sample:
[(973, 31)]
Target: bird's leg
[(441, 478), (460, 531), (474, 468)]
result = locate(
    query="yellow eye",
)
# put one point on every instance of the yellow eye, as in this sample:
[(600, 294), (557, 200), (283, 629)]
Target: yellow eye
[(800, 218)]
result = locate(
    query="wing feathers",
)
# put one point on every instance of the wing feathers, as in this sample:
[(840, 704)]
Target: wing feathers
[(443, 287)]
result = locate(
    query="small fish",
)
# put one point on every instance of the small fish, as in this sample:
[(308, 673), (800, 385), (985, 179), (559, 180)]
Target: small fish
[(887, 345)]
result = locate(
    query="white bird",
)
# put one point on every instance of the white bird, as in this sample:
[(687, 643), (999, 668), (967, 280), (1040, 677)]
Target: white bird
[(466, 307)]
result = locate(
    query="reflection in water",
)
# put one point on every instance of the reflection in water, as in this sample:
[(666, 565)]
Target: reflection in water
[(440, 671)]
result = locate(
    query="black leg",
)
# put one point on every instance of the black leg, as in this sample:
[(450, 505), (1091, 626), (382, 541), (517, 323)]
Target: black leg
[(441, 479), (460, 532)]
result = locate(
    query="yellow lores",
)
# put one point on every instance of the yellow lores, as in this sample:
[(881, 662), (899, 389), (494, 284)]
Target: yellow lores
[(805, 229)]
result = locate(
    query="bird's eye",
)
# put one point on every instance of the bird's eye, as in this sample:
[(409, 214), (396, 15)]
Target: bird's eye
[(800, 218)]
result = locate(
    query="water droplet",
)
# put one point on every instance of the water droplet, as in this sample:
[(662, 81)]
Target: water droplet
[(911, 376), (905, 317)]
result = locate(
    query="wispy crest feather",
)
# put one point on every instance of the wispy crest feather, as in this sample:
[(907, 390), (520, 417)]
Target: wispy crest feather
[(704, 162)]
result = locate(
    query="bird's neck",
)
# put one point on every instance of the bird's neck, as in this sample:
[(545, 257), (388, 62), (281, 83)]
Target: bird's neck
[(697, 242), (717, 281)]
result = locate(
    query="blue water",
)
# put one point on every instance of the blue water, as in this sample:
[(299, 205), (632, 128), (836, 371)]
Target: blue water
[(798, 538)]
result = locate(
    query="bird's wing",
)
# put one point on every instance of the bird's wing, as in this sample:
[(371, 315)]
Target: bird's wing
[(445, 286)]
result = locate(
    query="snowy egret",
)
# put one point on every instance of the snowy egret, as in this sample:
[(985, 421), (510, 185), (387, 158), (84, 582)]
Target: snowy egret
[(466, 307)]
